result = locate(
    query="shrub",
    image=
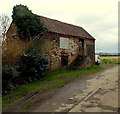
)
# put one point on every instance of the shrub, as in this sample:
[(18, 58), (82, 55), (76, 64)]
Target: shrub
[(32, 65), (105, 61), (9, 74), (12, 50)]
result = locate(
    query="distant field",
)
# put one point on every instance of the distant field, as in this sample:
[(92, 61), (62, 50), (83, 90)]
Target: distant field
[(110, 60)]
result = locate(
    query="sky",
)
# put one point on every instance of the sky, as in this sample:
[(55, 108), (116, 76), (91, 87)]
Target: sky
[(98, 17)]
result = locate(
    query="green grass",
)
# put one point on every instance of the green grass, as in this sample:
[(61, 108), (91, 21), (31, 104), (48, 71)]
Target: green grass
[(52, 80), (26, 105), (110, 60)]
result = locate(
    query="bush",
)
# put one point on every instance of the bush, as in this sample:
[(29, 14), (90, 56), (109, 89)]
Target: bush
[(12, 50), (105, 61), (32, 65), (9, 74), (22, 62)]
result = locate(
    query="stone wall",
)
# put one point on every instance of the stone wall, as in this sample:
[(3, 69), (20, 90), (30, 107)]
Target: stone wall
[(52, 49)]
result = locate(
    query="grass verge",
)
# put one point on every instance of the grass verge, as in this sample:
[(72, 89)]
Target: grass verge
[(52, 80), (26, 105)]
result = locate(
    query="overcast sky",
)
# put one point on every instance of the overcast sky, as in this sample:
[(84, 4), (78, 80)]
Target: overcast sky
[(98, 17)]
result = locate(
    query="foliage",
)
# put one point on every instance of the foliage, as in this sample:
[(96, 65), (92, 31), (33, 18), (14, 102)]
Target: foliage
[(9, 75), (28, 24), (105, 61), (11, 51), (110, 60), (32, 65), (22, 63)]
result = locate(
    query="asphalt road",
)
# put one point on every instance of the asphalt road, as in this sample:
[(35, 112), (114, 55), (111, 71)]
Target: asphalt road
[(93, 93)]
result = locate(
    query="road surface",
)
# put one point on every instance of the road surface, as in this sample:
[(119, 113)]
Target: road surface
[(93, 93)]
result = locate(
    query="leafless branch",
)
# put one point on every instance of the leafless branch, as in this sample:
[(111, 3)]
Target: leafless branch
[(4, 24)]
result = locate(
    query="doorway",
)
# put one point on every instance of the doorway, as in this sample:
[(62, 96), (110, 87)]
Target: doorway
[(64, 60)]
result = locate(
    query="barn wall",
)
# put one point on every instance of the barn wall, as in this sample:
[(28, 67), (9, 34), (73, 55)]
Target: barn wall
[(89, 53), (12, 32), (52, 49)]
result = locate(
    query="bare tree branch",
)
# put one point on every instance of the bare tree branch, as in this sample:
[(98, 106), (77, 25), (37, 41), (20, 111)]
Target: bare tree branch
[(4, 24)]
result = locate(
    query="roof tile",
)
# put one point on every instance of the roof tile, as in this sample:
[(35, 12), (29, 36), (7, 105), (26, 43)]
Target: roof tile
[(64, 28)]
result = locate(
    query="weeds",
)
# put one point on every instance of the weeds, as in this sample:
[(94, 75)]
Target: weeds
[(110, 60)]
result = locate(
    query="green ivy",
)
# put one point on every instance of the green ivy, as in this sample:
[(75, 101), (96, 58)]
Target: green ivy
[(28, 24)]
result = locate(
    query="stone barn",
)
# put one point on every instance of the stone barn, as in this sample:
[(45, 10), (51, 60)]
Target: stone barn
[(63, 43)]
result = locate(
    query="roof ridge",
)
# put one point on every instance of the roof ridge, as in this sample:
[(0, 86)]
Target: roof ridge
[(56, 26), (62, 22)]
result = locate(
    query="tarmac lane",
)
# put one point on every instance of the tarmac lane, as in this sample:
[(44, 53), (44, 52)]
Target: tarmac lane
[(93, 93)]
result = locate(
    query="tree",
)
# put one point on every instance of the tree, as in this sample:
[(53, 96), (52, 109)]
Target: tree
[(4, 24), (28, 24)]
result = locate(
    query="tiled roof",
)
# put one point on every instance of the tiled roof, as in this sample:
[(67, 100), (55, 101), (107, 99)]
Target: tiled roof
[(64, 28)]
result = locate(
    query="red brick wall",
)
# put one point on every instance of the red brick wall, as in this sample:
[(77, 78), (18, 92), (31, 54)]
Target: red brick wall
[(12, 31), (52, 49)]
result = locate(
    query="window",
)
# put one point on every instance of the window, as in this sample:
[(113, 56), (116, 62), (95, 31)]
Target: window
[(64, 43)]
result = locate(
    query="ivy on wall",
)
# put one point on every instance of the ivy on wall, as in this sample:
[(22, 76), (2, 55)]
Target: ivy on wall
[(28, 24)]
